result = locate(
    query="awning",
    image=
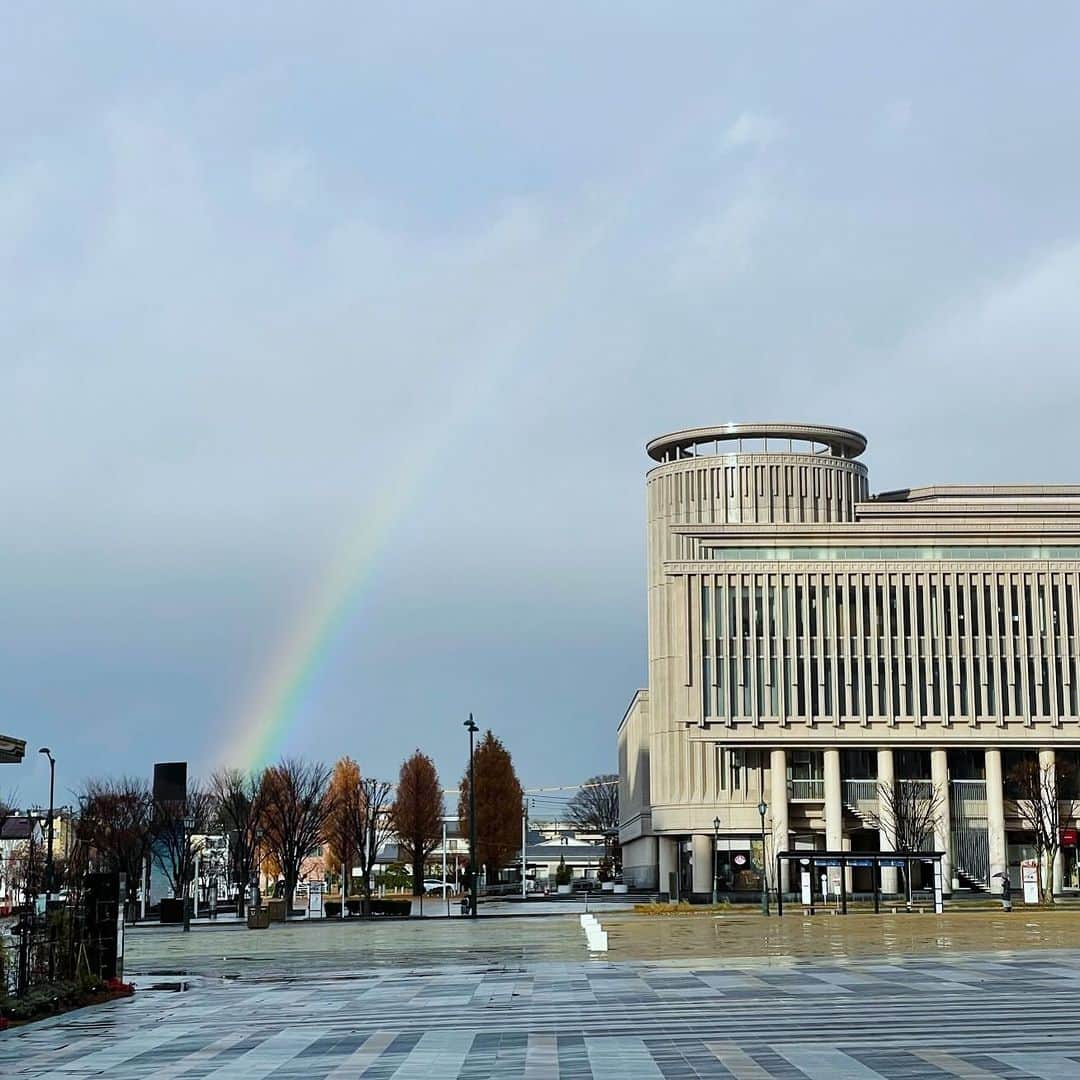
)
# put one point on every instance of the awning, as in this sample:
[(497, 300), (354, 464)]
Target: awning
[(12, 750)]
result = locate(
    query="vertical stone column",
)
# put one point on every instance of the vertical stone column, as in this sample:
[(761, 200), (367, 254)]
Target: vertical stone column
[(834, 810), (939, 777), (780, 827), (886, 778), (1048, 777), (668, 859), (702, 850), (995, 818)]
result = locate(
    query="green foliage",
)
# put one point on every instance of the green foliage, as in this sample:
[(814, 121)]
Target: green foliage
[(395, 878), (563, 874)]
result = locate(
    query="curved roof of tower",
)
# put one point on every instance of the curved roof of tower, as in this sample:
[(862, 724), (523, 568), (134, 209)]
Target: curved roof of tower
[(842, 442)]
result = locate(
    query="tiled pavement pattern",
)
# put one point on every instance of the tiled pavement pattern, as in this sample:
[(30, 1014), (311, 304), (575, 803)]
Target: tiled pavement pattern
[(970, 1017)]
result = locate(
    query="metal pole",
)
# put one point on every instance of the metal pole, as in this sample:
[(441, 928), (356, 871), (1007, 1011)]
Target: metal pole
[(445, 887), (524, 836), (183, 876), (472, 820), (49, 853), (715, 860), (145, 887), (764, 863)]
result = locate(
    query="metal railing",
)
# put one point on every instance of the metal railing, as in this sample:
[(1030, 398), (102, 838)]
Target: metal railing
[(923, 789), (861, 793), (802, 790), (970, 834)]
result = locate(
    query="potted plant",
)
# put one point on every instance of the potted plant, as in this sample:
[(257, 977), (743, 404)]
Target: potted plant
[(606, 874), (563, 877)]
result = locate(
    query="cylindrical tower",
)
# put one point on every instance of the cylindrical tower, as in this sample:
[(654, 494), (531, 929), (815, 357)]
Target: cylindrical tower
[(710, 482)]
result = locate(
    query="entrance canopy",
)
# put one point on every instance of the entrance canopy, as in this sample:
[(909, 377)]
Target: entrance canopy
[(12, 750), (812, 866)]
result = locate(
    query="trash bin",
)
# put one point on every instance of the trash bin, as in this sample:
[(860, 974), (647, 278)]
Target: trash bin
[(258, 918)]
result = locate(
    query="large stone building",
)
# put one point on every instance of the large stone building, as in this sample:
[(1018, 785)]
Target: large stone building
[(812, 645)]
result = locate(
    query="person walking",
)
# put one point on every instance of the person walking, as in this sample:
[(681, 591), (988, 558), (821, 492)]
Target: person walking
[(1006, 891)]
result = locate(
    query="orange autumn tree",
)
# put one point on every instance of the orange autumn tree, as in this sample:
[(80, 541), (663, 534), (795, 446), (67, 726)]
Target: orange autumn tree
[(417, 813), (341, 837), (499, 798)]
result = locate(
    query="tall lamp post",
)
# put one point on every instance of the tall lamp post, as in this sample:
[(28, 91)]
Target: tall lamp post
[(472, 729), (715, 859), (762, 809), (49, 851), (189, 825)]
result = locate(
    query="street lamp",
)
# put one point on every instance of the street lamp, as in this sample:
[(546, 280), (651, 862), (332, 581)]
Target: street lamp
[(715, 857), (472, 729), (49, 852), (762, 809), (189, 825)]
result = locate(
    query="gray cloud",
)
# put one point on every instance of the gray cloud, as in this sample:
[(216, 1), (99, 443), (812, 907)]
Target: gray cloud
[(260, 277)]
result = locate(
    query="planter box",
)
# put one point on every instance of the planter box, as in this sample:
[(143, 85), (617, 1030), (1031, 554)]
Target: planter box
[(564, 890), (259, 919), (277, 910), (620, 889), (172, 910), (607, 886)]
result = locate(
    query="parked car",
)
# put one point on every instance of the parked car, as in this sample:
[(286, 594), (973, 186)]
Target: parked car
[(434, 885)]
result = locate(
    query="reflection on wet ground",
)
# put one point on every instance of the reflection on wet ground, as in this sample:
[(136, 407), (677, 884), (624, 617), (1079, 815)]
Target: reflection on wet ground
[(358, 946), (796, 936)]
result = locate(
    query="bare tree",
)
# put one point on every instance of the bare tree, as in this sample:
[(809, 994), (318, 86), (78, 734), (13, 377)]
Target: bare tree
[(176, 825), (418, 812), (595, 806), (1036, 787), (907, 812), (294, 812), (360, 820), (115, 825), (238, 809)]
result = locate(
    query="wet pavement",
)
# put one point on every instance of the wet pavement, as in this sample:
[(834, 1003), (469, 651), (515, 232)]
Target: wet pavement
[(972, 995)]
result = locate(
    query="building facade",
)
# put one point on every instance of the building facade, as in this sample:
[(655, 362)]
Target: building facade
[(815, 651)]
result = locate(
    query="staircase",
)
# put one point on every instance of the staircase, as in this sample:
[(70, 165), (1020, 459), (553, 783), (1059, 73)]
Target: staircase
[(970, 833), (860, 798)]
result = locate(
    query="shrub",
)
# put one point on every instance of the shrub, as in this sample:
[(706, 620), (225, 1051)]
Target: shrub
[(563, 874)]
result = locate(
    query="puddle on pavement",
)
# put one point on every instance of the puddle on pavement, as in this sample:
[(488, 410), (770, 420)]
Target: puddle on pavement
[(827, 936)]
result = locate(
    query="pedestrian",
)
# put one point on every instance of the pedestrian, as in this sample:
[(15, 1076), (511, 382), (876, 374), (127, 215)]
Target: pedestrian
[(1006, 891)]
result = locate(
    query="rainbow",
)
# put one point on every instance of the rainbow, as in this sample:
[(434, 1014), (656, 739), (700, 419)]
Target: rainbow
[(273, 704)]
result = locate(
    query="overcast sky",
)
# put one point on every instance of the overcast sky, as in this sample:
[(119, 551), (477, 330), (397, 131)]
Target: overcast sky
[(271, 274)]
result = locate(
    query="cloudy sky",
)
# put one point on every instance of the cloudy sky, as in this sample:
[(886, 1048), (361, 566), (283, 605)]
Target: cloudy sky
[(356, 319)]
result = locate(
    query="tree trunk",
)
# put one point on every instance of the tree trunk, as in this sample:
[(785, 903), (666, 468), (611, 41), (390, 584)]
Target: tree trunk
[(417, 874), (290, 889)]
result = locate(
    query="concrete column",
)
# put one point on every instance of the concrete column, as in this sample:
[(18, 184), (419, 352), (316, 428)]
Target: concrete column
[(886, 777), (995, 818), (780, 828), (1048, 776), (834, 810), (702, 850), (939, 777), (668, 858)]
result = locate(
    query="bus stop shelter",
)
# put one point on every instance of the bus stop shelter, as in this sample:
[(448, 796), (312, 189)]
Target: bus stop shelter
[(807, 867)]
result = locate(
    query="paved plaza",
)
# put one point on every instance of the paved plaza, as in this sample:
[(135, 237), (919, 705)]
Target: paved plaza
[(522, 997)]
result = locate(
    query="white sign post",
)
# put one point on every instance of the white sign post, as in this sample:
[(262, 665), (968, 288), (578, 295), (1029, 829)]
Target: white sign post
[(807, 899), (1029, 878)]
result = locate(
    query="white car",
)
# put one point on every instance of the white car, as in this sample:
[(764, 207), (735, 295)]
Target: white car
[(434, 885)]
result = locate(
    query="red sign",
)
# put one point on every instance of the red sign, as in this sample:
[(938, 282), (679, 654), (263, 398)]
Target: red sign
[(1068, 837)]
